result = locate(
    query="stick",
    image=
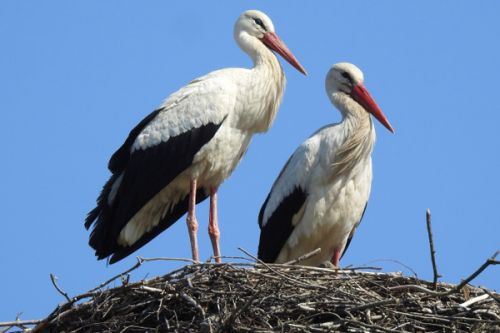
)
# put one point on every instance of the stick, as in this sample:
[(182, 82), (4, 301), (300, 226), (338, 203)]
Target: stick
[(374, 304), (496, 298), (140, 261), (488, 311), (53, 278), (191, 261), (193, 302), (474, 300), (303, 257), (105, 283), (154, 290), (20, 323), (396, 262), (433, 252), (490, 261), (306, 285)]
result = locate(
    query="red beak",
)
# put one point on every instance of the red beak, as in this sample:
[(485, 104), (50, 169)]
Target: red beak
[(272, 41), (361, 95)]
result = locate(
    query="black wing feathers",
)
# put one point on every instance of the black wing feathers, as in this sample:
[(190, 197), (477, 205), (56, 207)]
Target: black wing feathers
[(262, 209), (145, 173), (278, 228), (119, 160), (150, 170), (101, 201)]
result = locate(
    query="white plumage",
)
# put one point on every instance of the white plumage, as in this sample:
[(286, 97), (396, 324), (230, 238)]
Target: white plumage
[(320, 195), (179, 155)]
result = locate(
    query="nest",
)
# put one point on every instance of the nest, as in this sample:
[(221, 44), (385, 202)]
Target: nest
[(244, 297)]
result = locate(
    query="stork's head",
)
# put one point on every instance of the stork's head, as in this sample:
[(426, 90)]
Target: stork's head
[(347, 79), (254, 28)]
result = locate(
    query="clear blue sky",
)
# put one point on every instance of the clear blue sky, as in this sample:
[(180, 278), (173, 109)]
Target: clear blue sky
[(75, 77)]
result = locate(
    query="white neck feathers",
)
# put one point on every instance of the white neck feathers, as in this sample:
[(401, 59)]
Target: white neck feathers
[(358, 131), (267, 83)]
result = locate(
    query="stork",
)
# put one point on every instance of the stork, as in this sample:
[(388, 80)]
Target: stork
[(178, 155), (320, 196)]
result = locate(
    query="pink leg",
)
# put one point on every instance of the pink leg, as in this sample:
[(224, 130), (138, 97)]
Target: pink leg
[(213, 227), (191, 221), (336, 257)]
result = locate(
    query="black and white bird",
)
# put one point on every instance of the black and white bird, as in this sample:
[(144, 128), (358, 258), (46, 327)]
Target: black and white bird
[(321, 194), (179, 155)]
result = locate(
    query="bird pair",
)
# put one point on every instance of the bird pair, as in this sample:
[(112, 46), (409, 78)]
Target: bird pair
[(178, 156)]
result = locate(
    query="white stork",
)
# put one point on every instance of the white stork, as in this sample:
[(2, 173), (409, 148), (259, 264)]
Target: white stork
[(178, 155), (321, 194)]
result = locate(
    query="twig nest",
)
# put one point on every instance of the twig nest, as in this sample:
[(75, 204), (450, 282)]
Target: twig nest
[(277, 298)]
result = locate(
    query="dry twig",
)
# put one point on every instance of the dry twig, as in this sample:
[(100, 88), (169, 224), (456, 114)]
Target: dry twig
[(433, 252), (53, 279), (304, 257)]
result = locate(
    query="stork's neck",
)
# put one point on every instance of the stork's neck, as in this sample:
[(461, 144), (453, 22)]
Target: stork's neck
[(264, 89), (358, 133)]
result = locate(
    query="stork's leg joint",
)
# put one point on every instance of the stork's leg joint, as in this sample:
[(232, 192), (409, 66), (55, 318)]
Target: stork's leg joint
[(191, 221), (213, 226), (214, 233)]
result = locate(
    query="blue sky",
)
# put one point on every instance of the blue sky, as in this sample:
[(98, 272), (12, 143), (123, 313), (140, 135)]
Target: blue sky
[(75, 77)]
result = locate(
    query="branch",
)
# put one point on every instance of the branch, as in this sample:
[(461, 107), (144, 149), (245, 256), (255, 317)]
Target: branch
[(433, 252), (191, 261), (306, 285), (303, 257), (474, 300), (53, 278), (20, 323), (193, 302), (496, 298), (490, 261), (396, 262), (105, 283), (374, 304)]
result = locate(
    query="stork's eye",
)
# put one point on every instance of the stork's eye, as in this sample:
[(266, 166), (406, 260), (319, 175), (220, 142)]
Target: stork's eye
[(259, 22), (346, 76)]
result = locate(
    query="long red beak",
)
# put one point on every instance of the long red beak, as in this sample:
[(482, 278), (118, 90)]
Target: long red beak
[(361, 95), (272, 41)]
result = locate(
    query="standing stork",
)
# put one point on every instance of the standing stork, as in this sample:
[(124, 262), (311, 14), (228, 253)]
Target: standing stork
[(321, 194), (179, 155)]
